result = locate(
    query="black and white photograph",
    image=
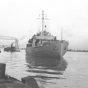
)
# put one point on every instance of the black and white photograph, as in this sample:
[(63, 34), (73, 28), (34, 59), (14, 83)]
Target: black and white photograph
[(43, 43)]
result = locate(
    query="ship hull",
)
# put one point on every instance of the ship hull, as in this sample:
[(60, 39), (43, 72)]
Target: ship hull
[(49, 50)]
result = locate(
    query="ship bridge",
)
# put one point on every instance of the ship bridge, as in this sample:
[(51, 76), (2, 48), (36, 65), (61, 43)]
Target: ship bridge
[(45, 37)]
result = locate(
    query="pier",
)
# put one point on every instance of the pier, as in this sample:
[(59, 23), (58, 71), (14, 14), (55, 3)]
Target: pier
[(10, 82)]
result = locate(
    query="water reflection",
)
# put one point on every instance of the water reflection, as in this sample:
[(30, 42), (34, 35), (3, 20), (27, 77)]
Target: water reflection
[(49, 73), (54, 64), (46, 69)]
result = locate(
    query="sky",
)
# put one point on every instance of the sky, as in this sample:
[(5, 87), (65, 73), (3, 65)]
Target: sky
[(18, 18)]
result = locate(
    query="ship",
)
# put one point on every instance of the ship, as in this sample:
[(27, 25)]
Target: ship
[(45, 46), (12, 48)]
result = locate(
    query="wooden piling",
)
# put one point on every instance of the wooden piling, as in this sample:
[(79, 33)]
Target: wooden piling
[(2, 70), (10, 82)]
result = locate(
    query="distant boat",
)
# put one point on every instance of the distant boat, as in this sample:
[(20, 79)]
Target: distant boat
[(43, 45), (11, 49)]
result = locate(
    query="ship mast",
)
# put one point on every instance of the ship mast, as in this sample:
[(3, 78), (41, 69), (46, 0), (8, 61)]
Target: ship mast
[(42, 20), (61, 42)]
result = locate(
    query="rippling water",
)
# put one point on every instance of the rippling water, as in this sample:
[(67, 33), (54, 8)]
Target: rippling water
[(71, 72)]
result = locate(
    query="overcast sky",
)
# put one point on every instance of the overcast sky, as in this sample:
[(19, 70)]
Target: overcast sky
[(18, 18)]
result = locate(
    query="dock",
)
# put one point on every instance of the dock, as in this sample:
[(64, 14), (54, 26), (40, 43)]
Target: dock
[(7, 81)]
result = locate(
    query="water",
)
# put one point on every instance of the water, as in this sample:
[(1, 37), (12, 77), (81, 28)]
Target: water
[(71, 73)]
